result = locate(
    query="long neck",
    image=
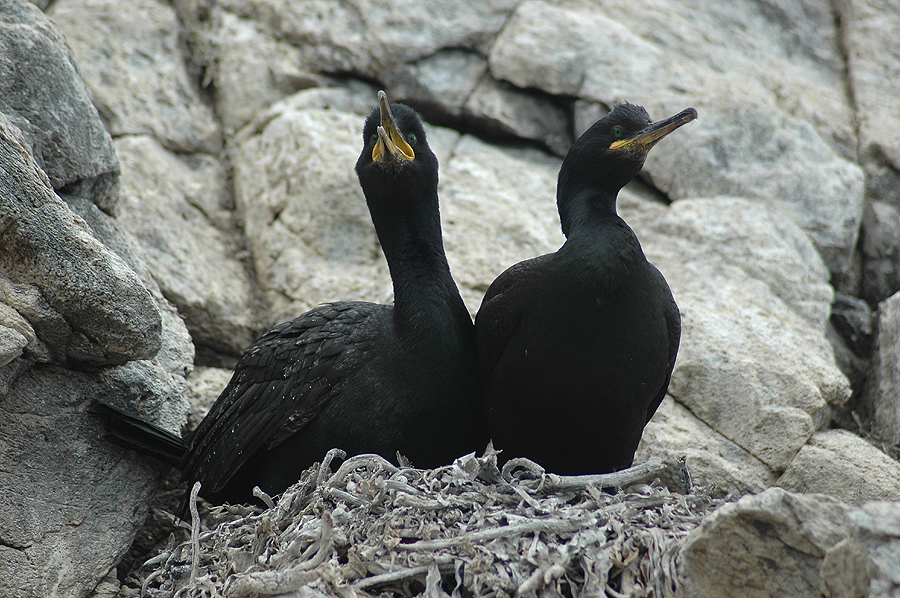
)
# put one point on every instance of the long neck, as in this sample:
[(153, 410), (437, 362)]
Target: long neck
[(582, 209), (424, 290)]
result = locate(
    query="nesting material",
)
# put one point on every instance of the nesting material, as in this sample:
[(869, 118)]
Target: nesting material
[(466, 529)]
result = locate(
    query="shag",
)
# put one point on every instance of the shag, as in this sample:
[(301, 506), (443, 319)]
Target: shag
[(578, 346), (359, 376)]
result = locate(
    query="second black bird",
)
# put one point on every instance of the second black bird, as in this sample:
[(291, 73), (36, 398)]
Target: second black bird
[(578, 346)]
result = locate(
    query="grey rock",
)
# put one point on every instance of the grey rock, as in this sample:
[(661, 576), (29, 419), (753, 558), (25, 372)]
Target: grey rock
[(176, 353), (881, 250), (853, 318), (12, 343), (754, 299), (305, 216), (864, 565), (501, 110), (170, 205), (205, 384), (844, 466), (90, 304), (70, 497), (130, 57), (874, 74), (253, 70), (369, 38), (438, 85), (770, 544), (43, 96), (881, 394), (711, 459)]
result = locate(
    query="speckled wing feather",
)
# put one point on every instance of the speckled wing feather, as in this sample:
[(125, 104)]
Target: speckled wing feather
[(280, 384)]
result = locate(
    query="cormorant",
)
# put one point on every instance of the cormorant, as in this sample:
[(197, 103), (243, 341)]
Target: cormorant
[(358, 376), (577, 346)]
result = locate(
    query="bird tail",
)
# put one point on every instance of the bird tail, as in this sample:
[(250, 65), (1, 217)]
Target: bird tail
[(131, 431)]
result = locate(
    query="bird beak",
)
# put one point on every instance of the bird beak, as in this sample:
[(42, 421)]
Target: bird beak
[(390, 145), (646, 138)]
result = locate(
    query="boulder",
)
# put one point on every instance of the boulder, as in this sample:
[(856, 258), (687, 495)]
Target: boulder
[(130, 57), (843, 465), (864, 565), (43, 96), (769, 544), (173, 206), (881, 396)]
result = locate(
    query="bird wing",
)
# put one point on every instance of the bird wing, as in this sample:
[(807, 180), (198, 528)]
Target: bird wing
[(673, 321), (279, 385), (501, 310)]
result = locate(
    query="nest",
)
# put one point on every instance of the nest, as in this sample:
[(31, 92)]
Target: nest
[(466, 529)]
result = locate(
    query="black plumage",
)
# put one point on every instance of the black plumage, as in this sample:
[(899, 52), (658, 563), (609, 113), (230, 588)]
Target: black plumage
[(577, 346), (358, 376)]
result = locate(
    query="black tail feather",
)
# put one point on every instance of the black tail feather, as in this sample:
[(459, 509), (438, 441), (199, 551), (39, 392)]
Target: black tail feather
[(129, 430)]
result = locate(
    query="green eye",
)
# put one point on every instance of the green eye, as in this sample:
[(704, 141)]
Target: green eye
[(373, 139), (411, 139), (618, 132)]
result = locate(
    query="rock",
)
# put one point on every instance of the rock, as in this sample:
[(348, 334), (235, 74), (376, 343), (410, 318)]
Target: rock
[(843, 465), (84, 302), (874, 75), (12, 342), (205, 385), (377, 36), (173, 207), (305, 216), (674, 432), (770, 544), (253, 71), (439, 86), (42, 95), (881, 250), (130, 58), (176, 353), (749, 141), (881, 395), (72, 499), (865, 564), (754, 300), (852, 318)]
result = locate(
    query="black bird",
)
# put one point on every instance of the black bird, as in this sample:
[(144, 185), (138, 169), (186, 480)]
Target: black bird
[(577, 347), (358, 376)]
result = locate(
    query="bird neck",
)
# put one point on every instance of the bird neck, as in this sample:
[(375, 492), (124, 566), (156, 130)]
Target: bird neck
[(413, 247), (586, 209)]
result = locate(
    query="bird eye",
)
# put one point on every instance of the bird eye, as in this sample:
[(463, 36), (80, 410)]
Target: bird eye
[(618, 132), (373, 139), (411, 139)]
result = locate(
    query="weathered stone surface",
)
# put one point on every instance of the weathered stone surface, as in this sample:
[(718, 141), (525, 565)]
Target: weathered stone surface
[(882, 396), (754, 299), (843, 465), (253, 70), (366, 38), (770, 544), (675, 432), (42, 95), (874, 74), (864, 565), (85, 303), (130, 57), (176, 352), (70, 496), (881, 249), (170, 205)]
